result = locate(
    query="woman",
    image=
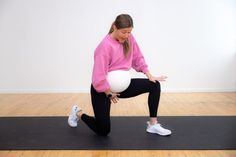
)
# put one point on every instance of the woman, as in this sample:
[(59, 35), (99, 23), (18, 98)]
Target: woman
[(119, 51)]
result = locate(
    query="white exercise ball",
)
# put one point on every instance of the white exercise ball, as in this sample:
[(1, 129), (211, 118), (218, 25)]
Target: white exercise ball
[(118, 80)]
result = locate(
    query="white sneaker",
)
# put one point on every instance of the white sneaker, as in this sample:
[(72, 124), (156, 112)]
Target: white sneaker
[(73, 118), (157, 129)]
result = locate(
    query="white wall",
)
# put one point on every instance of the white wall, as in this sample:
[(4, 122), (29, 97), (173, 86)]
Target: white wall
[(47, 45)]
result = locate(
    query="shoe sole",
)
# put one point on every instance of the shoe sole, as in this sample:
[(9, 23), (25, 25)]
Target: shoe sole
[(158, 133)]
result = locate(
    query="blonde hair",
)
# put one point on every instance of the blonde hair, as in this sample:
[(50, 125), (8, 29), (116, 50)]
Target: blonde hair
[(123, 21)]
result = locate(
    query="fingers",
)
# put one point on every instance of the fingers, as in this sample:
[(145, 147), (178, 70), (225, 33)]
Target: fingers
[(158, 79), (164, 77), (161, 78), (115, 98)]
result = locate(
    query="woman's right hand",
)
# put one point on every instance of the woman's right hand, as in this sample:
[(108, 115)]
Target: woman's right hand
[(114, 96)]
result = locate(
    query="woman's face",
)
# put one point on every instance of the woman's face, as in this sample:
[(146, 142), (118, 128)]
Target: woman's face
[(122, 34)]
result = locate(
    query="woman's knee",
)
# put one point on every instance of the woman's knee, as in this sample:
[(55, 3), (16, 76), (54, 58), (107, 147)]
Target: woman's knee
[(104, 131), (156, 86), (103, 127)]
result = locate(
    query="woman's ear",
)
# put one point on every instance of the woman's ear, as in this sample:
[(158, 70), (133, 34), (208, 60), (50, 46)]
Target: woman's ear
[(114, 27)]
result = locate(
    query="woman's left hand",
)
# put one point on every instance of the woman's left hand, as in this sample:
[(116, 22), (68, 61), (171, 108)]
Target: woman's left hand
[(159, 78), (154, 78)]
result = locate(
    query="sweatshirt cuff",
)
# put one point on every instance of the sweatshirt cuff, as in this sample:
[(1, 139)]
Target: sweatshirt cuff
[(102, 88)]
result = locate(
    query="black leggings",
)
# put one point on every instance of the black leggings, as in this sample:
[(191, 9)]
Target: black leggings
[(100, 124)]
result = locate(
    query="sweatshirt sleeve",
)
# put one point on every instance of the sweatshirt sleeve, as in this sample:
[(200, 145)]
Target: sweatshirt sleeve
[(138, 62), (100, 70)]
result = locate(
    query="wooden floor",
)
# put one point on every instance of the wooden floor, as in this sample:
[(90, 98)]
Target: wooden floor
[(171, 104)]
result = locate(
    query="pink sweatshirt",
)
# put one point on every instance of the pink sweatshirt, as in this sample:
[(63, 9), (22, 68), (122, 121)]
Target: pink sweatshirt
[(109, 56)]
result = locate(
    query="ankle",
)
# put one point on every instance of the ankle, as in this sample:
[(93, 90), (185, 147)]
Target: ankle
[(153, 121), (79, 114)]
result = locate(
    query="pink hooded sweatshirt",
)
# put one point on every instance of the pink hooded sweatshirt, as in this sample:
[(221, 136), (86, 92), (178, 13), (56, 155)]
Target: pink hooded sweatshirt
[(109, 56)]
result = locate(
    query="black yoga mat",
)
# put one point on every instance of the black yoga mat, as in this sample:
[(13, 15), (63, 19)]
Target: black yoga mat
[(127, 133)]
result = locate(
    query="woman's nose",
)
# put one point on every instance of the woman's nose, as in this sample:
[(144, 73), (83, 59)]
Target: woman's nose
[(127, 35)]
